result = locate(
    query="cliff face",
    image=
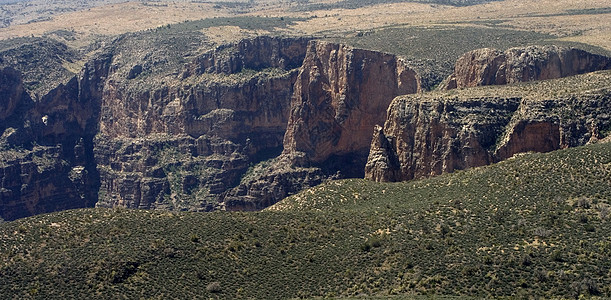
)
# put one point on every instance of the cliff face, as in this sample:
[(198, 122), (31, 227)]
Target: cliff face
[(184, 143), (241, 126), (427, 135), (46, 149), (11, 89), (133, 131), (207, 141), (494, 67), (341, 93)]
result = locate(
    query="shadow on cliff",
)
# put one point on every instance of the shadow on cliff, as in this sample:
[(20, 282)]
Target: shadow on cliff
[(47, 158)]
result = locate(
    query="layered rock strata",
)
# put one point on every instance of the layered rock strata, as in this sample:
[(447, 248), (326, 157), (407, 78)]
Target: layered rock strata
[(185, 143), (340, 94), (243, 125), (46, 157), (431, 134), (493, 67)]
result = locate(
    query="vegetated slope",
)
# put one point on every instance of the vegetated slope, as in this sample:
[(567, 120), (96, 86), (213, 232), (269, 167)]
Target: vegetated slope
[(352, 4), (43, 62), (533, 225)]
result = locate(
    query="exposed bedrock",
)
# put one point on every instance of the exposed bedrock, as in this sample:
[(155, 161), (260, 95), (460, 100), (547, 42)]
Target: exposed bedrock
[(243, 125), (493, 67), (340, 94), (186, 143), (431, 134), (46, 148)]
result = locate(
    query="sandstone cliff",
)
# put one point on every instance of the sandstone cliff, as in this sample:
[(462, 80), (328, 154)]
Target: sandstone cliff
[(135, 130), (494, 67), (341, 93), (430, 134), (185, 142), (189, 126), (46, 149), (207, 140)]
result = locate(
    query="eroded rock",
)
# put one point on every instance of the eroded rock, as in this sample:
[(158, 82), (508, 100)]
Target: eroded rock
[(438, 133), (493, 67)]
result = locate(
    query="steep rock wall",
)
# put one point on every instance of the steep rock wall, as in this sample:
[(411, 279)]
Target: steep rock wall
[(11, 92), (183, 144), (494, 67), (46, 149), (141, 134), (193, 144), (427, 135), (341, 93)]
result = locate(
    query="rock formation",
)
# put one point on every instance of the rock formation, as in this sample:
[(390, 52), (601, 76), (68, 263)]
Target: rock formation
[(125, 133), (12, 92), (158, 121), (431, 134), (185, 143), (341, 93), (494, 67), (47, 151)]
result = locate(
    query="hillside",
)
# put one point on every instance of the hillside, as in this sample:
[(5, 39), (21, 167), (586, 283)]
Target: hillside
[(535, 225)]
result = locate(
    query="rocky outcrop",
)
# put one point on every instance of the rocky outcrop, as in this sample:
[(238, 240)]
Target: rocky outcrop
[(181, 141), (44, 180), (341, 93), (241, 126), (46, 149), (254, 54), (494, 67), (431, 134), (186, 143), (12, 92), (233, 110), (271, 181), (382, 164)]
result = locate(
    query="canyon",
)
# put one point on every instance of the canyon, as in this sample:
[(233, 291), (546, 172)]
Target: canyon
[(241, 126)]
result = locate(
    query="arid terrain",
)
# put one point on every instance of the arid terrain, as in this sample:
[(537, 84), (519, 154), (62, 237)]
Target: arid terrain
[(275, 149), (581, 21)]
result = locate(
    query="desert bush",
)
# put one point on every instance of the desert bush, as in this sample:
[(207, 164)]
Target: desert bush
[(327, 243), (214, 287), (541, 232), (557, 256), (584, 203), (603, 211)]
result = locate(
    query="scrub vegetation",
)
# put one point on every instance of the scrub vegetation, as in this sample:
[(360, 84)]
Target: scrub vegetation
[(534, 225)]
